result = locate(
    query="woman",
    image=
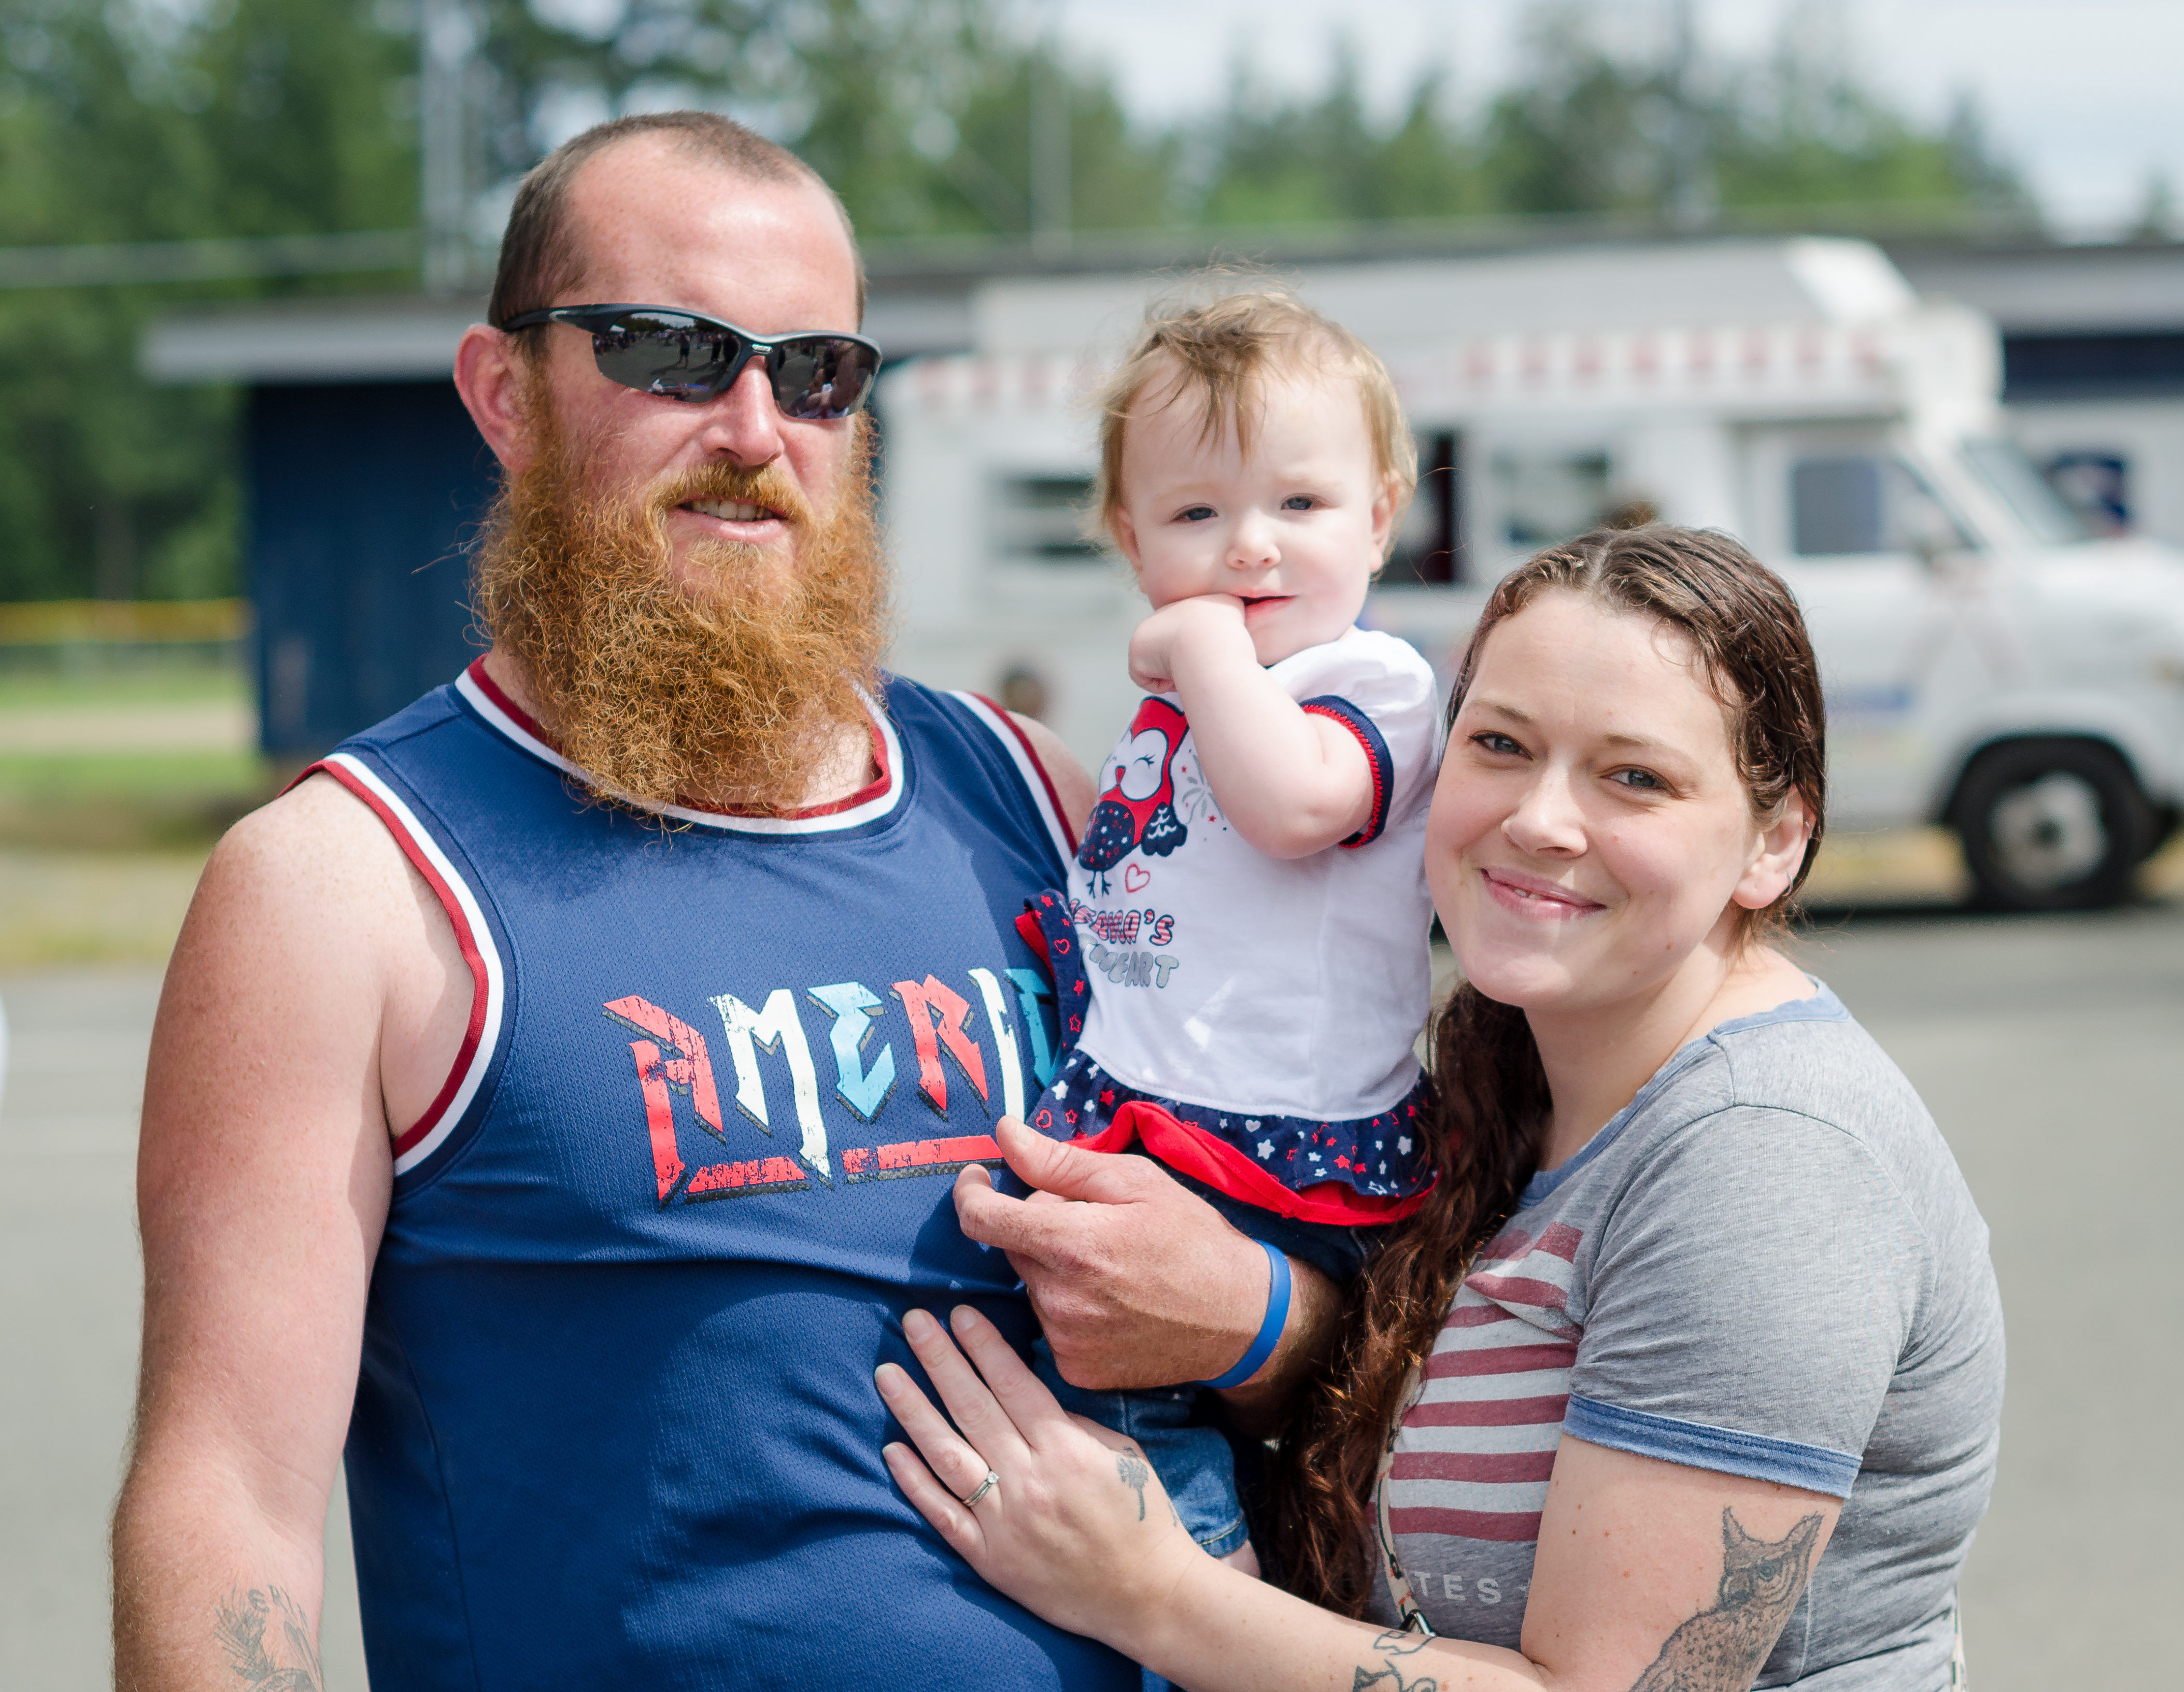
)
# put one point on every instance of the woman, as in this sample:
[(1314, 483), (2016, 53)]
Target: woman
[(1719, 1396)]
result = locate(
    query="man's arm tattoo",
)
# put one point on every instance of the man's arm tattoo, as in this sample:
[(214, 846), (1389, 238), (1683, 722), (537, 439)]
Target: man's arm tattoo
[(240, 1630), (1721, 1650)]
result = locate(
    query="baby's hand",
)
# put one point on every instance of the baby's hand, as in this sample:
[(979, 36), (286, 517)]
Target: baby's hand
[(1199, 626)]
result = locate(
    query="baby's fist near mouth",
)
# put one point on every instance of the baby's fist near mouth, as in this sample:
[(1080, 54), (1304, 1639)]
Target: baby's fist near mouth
[(1202, 621)]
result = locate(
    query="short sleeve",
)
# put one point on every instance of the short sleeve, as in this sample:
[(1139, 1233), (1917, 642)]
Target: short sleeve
[(1750, 1297), (1381, 691)]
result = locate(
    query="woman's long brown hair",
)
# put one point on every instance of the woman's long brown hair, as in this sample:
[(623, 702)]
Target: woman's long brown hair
[(1744, 629)]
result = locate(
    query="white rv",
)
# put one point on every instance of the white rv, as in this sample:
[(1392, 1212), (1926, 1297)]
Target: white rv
[(1989, 665)]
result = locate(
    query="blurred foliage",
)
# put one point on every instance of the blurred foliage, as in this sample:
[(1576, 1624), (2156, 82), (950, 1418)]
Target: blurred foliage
[(152, 120)]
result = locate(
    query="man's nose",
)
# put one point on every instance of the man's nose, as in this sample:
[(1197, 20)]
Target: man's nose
[(743, 424), (1547, 821)]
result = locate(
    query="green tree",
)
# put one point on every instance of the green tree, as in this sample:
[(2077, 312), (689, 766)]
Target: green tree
[(152, 120), (127, 124)]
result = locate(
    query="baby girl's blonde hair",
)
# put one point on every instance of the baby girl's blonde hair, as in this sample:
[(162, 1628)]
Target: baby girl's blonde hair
[(1223, 351)]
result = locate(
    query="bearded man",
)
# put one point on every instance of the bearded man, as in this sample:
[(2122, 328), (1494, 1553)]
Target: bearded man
[(541, 1087)]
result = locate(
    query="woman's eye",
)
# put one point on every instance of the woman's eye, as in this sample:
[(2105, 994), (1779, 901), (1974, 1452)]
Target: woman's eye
[(1642, 780), (1488, 740)]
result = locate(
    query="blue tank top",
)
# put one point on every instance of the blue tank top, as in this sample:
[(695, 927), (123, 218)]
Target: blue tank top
[(616, 1424)]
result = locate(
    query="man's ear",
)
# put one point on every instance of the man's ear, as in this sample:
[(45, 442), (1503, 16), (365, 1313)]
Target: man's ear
[(491, 375), (1781, 850)]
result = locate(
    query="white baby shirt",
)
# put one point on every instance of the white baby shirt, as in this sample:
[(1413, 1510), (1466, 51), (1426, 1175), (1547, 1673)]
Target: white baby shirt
[(1225, 978)]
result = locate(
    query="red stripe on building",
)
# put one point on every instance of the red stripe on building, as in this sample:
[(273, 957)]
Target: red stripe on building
[(1500, 1359), (1484, 1468)]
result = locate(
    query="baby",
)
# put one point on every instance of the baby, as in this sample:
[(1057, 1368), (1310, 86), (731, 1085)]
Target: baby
[(1241, 957)]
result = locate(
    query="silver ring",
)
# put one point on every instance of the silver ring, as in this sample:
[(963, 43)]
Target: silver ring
[(985, 1485)]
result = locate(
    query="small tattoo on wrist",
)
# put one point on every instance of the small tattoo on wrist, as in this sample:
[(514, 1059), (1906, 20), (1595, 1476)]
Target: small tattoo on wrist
[(1134, 1473)]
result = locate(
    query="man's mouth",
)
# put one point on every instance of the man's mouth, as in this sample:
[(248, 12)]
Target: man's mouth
[(730, 510)]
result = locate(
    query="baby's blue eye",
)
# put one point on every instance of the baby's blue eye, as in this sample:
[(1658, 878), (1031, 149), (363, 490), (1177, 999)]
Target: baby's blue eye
[(1195, 514), (1299, 502)]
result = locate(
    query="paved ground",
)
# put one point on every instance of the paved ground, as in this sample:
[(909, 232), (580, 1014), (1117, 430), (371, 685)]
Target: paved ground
[(2048, 1049), (70, 1294)]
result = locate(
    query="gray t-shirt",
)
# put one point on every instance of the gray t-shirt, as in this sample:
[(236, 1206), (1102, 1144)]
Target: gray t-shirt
[(1766, 1265)]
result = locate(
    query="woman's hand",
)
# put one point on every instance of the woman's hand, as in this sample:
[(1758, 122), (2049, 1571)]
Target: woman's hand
[(1077, 1527)]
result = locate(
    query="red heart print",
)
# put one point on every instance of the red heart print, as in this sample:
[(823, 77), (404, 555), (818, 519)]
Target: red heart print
[(1135, 878)]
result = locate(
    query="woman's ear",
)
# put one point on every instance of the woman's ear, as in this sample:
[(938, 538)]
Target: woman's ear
[(1781, 850)]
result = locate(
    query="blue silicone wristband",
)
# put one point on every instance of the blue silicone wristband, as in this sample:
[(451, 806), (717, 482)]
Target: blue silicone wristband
[(1270, 1331)]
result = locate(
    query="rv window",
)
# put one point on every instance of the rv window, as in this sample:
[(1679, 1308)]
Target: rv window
[(1547, 497), (1430, 548), (2005, 469), (1866, 505), (1039, 520), (2095, 483)]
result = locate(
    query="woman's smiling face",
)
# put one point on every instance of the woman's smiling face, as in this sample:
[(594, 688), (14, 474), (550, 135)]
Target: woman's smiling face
[(1589, 832)]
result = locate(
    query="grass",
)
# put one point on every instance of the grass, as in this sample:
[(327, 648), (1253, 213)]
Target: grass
[(101, 845), (111, 796), (100, 848), (55, 688)]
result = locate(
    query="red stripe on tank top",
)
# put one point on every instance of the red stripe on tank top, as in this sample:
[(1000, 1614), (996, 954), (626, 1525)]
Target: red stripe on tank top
[(523, 720), (465, 940)]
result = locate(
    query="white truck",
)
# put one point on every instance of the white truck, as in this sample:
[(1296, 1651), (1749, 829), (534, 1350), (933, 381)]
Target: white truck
[(1989, 666)]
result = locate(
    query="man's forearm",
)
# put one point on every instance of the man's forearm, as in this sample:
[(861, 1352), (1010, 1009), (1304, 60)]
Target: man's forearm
[(207, 1594), (1259, 1406)]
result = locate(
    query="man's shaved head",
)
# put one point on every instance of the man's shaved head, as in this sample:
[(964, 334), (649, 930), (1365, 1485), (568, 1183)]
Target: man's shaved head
[(540, 256)]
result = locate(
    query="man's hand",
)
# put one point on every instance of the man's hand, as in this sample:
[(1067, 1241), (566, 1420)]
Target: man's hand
[(1206, 626), (1137, 1281)]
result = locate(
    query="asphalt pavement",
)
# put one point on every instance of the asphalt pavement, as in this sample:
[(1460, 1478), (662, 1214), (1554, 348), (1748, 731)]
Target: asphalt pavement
[(2049, 1048)]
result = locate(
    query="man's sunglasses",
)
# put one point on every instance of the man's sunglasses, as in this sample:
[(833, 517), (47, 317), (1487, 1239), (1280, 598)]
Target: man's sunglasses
[(679, 355)]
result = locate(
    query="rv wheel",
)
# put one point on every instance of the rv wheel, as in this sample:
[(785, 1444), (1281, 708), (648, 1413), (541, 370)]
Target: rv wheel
[(2050, 825)]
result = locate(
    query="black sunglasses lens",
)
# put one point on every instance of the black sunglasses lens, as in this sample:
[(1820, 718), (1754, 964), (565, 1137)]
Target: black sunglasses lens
[(659, 354), (819, 376)]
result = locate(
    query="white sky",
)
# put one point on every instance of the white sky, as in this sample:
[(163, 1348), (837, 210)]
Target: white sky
[(2086, 97)]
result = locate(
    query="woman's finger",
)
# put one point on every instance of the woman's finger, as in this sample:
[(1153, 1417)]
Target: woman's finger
[(969, 1402), (1031, 1409), (958, 1525), (959, 1466)]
